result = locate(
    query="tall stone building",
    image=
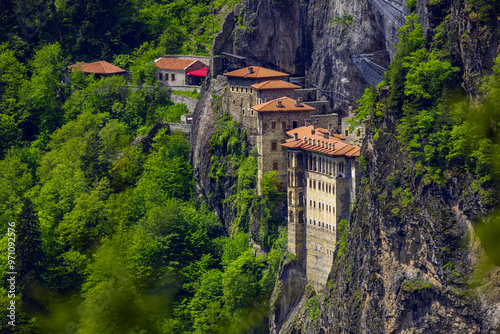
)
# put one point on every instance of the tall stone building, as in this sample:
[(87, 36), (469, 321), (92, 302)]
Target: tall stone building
[(272, 120), (245, 89), (321, 185)]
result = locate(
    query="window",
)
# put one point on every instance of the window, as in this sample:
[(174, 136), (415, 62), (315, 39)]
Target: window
[(160, 76), (301, 199), (232, 88), (300, 180), (341, 169), (275, 166), (301, 217), (358, 133), (295, 124), (346, 132), (274, 146), (172, 77), (283, 125), (273, 125), (243, 112), (252, 112), (166, 76)]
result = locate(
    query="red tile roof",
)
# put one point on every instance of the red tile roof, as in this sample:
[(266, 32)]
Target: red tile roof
[(174, 63), (287, 104), (332, 146), (256, 72), (274, 84), (98, 67)]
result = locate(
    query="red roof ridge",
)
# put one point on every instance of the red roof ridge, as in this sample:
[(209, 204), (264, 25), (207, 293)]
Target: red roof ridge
[(340, 148), (287, 104)]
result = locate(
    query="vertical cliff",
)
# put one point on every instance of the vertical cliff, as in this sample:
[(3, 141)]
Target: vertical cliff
[(411, 262), (406, 268)]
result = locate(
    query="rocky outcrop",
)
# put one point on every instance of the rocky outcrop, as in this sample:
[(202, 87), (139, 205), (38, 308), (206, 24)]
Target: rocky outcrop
[(411, 257), (189, 102), (412, 263)]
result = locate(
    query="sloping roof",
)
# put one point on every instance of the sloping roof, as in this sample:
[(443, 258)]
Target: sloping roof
[(332, 146), (274, 84), (256, 72), (287, 104), (174, 63), (98, 67)]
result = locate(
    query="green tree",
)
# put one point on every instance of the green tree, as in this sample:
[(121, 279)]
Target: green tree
[(41, 97), (29, 255)]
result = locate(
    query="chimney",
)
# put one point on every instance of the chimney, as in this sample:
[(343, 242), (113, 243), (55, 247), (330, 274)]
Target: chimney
[(313, 131), (304, 140), (250, 70), (327, 135), (295, 136), (279, 104), (298, 103)]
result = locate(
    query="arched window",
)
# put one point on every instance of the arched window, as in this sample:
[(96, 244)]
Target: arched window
[(300, 160), (301, 217), (301, 199), (300, 179), (342, 169)]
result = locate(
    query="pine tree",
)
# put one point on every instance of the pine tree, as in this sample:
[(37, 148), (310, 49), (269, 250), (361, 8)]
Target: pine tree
[(29, 249)]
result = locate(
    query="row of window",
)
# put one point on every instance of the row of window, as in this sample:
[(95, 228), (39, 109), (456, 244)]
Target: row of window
[(161, 76), (241, 89), (292, 182), (317, 164), (358, 132), (284, 125), (321, 206), (329, 251), (322, 186), (243, 112), (328, 227)]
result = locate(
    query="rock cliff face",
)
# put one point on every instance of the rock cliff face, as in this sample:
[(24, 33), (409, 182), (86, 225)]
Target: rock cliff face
[(406, 268)]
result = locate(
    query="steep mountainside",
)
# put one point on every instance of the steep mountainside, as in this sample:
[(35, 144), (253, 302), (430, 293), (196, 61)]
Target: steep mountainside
[(402, 272), (410, 259)]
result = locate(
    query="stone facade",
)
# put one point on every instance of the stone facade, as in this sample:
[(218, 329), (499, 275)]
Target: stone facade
[(171, 71), (330, 121), (320, 192), (274, 118), (355, 136)]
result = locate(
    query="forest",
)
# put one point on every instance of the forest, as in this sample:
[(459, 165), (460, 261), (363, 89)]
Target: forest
[(109, 237)]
